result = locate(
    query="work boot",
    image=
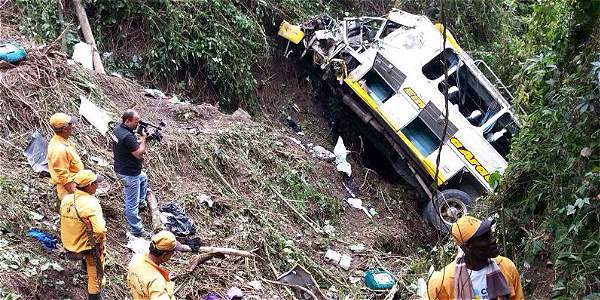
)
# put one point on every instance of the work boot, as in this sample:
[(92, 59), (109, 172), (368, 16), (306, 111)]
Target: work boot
[(96, 296)]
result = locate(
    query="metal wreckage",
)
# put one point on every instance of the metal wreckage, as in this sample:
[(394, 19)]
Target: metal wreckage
[(390, 72)]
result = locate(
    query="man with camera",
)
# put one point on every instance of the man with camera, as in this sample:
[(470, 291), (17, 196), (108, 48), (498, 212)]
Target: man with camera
[(128, 152)]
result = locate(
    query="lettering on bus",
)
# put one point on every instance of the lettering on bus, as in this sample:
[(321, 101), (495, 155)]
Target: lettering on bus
[(414, 97), (468, 155)]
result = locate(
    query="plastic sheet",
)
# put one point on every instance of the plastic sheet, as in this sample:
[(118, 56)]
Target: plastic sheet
[(175, 220), (46, 240), (36, 153)]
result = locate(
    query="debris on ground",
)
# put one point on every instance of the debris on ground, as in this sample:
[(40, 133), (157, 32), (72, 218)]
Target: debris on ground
[(203, 198), (137, 244), (83, 54), (175, 220), (340, 157), (378, 279), (357, 203), (37, 153), (298, 277), (322, 153), (234, 293), (336, 258), (45, 239), (293, 124), (98, 117), (12, 52)]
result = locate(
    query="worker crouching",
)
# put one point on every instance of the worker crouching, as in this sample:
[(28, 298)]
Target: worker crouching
[(145, 278), (83, 229)]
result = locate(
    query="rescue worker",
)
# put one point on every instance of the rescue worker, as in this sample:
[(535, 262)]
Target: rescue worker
[(479, 272), (128, 152), (63, 160), (81, 218), (146, 279)]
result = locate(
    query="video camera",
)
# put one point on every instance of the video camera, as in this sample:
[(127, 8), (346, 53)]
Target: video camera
[(155, 135)]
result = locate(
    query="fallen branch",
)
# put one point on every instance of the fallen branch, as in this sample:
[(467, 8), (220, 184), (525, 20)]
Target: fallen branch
[(292, 286), (207, 253), (307, 221), (155, 213)]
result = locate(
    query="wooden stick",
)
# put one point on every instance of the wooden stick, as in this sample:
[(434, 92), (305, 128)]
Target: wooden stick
[(221, 177), (207, 253), (226, 251), (155, 213), (292, 286), (88, 36), (307, 221)]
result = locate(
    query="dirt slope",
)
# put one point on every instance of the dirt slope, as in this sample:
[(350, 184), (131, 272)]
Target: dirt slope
[(235, 160)]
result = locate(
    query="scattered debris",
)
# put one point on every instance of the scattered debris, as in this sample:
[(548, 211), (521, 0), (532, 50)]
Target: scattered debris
[(234, 293), (586, 152), (98, 117), (137, 244), (340, 157), (322, 153), (328, 228), (175, 220), (357, 203), (378, 279), (298, 276), (338, 259), (211, 296), (99, 161), (255, 284), (45, 239), (293, 124), (83, 53), (357, 247), (35, 216), (154, 93), (202, 198), (36, 153), (12, 52)]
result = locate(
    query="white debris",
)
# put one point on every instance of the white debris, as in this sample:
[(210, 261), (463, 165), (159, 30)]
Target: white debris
[(82, 53), (340, 157), (357, 203), (257, 285), (202, 198), (137, 244), (322, 153), (94, 114)]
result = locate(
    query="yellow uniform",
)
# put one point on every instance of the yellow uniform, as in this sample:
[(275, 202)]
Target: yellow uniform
[(73, 234), (148, 281), (441, 283), (63, 163)]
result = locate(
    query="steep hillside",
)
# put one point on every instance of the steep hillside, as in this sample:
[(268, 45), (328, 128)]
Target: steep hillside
[(239, 163)]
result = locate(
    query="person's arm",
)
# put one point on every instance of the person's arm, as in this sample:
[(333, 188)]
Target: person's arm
[(516, 282), (94, 214), (58, 165), (435, 287), (157, 290)]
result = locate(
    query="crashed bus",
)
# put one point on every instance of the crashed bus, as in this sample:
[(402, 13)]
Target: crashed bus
[(389, 71)]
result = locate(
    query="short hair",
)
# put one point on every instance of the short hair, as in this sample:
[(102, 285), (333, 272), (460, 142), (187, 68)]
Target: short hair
[(127, 115), (157, 252)]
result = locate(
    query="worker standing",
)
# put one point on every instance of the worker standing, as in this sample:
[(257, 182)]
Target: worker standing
[(83, 229), (128, 152), (63, 160), (479, 273), (145, 278)]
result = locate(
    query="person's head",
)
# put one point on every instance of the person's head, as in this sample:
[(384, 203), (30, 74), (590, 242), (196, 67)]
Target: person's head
[(474, 237), (87, 181), (130, 118), (63, 124), (163, 245)]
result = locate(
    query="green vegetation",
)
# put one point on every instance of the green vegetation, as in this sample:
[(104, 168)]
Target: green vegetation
[(548, 52)]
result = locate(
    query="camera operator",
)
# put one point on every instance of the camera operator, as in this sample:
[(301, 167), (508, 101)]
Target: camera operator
[(128, 152)]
